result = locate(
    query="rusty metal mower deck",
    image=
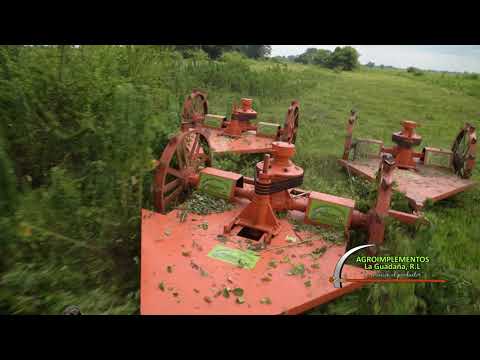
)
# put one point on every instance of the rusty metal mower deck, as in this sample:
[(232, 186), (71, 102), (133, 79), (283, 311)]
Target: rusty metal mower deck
[(248, 260), (198, 272), (433, 173), (237, 134)]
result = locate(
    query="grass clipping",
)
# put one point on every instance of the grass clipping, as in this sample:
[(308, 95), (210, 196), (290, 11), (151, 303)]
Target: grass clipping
[(204, 204)]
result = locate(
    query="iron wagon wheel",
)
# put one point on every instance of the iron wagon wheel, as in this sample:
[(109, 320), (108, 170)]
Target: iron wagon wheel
[(186, 154), (464, 148), (290, 127), (195, 108)]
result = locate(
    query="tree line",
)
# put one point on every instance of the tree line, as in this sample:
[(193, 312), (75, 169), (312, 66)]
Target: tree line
[(342, 58), (216, 51)]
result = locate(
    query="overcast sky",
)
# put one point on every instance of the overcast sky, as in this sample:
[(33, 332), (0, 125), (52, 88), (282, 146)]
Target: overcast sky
[(433, 57)]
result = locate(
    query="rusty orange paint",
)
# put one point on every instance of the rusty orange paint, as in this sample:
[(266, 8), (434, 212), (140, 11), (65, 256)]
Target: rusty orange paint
[(237, 134), (193, 284), (418, 181), (405, 140), (248, 143), (348, 139), (259, 213), (425, 183)]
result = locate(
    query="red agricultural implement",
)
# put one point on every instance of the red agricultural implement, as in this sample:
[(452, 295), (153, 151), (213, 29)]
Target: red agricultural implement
[(237, 134), (433, 173), (248, 260)]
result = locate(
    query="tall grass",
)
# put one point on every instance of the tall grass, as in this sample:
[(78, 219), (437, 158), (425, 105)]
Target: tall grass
[(79, 128)]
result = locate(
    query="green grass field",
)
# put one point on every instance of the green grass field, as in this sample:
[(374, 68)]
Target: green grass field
[(383, 99), (79, 128)]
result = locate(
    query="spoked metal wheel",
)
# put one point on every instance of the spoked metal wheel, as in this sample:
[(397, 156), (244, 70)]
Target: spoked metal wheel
[(464, 149), (195, 108), (186, 154), (290, 127)]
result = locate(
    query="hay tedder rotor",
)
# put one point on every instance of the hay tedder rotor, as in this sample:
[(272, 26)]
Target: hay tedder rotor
[(249, 259), (237, 134), (432, 174)]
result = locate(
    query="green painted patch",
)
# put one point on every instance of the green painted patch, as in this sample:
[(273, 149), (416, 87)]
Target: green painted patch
[(269, 129), (215, 122), (247, 259), (438, 159), (216, 186), (329, 214)]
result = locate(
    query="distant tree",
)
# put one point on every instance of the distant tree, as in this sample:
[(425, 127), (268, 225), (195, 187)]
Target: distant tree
[(254, 51), (280, 59), (291, 57), (215, 51), (414, 71), (307, 57), (371, 64), (322, 57), (346, 58)]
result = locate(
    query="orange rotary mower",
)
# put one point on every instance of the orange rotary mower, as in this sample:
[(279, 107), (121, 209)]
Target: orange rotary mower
[(237, 134), (248, 259), (433, 173)]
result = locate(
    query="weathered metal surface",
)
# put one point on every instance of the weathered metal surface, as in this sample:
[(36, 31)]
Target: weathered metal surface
[(405, 139), (430, 174), (425, 183), (237, 134), (188, 246), (290, 128), (178, 276), (249, 142)]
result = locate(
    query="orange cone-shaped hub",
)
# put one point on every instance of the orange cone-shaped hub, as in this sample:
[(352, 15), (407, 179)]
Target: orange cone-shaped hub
[(406, 140)]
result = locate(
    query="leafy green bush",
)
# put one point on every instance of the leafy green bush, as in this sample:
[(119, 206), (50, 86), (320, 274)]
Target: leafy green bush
[(414, 71), (80, 127), (344, 57)]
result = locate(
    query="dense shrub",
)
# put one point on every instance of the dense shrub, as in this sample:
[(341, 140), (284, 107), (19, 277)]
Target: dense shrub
[(414, 71), (79, 127), (342, 58)]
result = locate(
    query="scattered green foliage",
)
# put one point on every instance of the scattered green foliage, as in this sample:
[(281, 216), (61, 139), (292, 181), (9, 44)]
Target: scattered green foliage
[(266, 301), (80, 126), (297, 270), (225, 293), (238, 292), (272, 263), (318, 252), (204, 204), (222, 238)]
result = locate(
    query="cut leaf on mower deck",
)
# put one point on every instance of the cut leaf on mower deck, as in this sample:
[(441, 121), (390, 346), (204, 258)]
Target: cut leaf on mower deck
[(187, 271)]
